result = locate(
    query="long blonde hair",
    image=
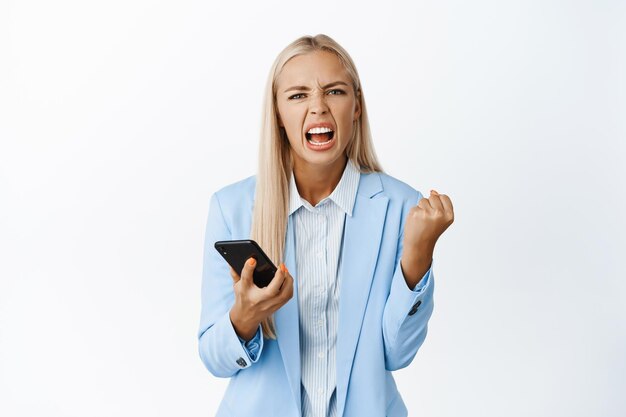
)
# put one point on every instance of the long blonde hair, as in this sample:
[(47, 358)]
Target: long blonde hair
[(269, 217)]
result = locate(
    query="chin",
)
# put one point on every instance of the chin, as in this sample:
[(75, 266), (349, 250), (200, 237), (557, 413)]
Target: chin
[(324, 160)]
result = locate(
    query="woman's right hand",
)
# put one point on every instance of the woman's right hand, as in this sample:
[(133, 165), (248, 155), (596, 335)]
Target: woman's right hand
[(254, 304)]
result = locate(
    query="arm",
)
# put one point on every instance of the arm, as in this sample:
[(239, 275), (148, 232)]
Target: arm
[(404, 331), (221, 350), (409, 306)]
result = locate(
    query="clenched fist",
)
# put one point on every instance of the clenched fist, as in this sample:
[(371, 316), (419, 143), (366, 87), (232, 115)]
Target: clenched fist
[(424, 224)]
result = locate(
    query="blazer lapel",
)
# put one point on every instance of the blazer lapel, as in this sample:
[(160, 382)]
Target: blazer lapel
[(287, 322), (361, 243)]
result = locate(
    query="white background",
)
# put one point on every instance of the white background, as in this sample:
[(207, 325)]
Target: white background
[(118, 119)]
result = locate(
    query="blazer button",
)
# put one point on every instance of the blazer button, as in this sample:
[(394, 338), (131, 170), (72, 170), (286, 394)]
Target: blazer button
[(414, 308), (241, 362)]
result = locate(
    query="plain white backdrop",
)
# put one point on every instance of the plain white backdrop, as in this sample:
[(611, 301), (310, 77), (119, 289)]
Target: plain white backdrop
[(118, 120)]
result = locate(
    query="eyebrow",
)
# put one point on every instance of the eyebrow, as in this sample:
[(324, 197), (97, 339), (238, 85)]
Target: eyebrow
[(303, 87)]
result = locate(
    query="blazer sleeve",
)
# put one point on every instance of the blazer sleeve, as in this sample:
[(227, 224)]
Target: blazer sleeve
[(221, 350), (407, 311)]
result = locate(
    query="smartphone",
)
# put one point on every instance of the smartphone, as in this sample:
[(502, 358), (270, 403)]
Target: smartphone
[(237, 252)]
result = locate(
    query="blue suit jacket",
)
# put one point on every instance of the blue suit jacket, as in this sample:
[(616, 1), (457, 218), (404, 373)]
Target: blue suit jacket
[(382, 322)]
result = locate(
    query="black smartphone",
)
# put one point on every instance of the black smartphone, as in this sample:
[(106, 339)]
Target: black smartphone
[(237, 252)]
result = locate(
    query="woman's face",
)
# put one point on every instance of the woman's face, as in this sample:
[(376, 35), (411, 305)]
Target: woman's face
[(314, 90)]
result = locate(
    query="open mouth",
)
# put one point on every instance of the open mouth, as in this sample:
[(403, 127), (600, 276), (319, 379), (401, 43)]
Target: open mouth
[(320, 138)]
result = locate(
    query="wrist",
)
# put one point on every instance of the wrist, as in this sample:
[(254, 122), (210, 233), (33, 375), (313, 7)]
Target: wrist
[(422, 248), (415, 263), (246, 329)]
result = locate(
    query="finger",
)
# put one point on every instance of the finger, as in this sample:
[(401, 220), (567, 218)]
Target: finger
[(435, 201), (234, 275), (447, 204), (247, 272), (424, 203), (273, 287), (286, 291)]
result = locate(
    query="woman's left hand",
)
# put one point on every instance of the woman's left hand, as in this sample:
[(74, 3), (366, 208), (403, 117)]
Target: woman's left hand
[(426, 222)]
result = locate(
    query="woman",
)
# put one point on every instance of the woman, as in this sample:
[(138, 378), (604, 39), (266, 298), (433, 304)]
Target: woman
[(354, 292)]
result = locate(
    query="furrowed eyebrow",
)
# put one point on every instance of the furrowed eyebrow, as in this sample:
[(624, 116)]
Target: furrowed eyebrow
[(305, 88)]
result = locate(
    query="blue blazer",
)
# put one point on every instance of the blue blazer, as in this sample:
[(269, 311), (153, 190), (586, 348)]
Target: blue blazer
[(382, 322)]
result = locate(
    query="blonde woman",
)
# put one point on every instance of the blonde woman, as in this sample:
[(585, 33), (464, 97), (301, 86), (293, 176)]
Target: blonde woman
[(353, 294)]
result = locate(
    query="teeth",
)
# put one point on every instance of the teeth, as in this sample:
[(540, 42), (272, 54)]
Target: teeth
[(316, 130)]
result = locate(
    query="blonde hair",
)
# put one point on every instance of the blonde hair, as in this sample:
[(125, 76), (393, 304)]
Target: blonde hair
[(269, 217)]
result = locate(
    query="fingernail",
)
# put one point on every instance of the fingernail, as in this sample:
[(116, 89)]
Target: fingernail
[(252, 262), (433, 191), (283, 267)]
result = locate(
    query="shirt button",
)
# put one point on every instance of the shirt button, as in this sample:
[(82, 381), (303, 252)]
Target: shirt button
[(319, 255), (320, 323), (320, 391), (320, 355)]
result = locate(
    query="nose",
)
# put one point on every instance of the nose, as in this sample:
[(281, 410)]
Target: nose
[(318, 103)]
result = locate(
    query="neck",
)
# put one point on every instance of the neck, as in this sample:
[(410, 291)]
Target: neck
[(316, 182)]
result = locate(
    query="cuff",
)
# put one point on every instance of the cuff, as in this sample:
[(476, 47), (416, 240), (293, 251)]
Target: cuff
[(402, 295), (423, 283), (253, 346)]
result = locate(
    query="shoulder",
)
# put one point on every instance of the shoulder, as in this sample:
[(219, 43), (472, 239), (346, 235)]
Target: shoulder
[(237, 194), (391, 187), (396, 187), (244, 186)]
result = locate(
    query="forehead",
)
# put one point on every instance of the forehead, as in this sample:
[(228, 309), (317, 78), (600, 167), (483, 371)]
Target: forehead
[(311, 68)]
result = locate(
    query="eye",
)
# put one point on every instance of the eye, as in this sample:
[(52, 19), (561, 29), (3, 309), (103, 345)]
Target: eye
[(295, 96), (338, 91)]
